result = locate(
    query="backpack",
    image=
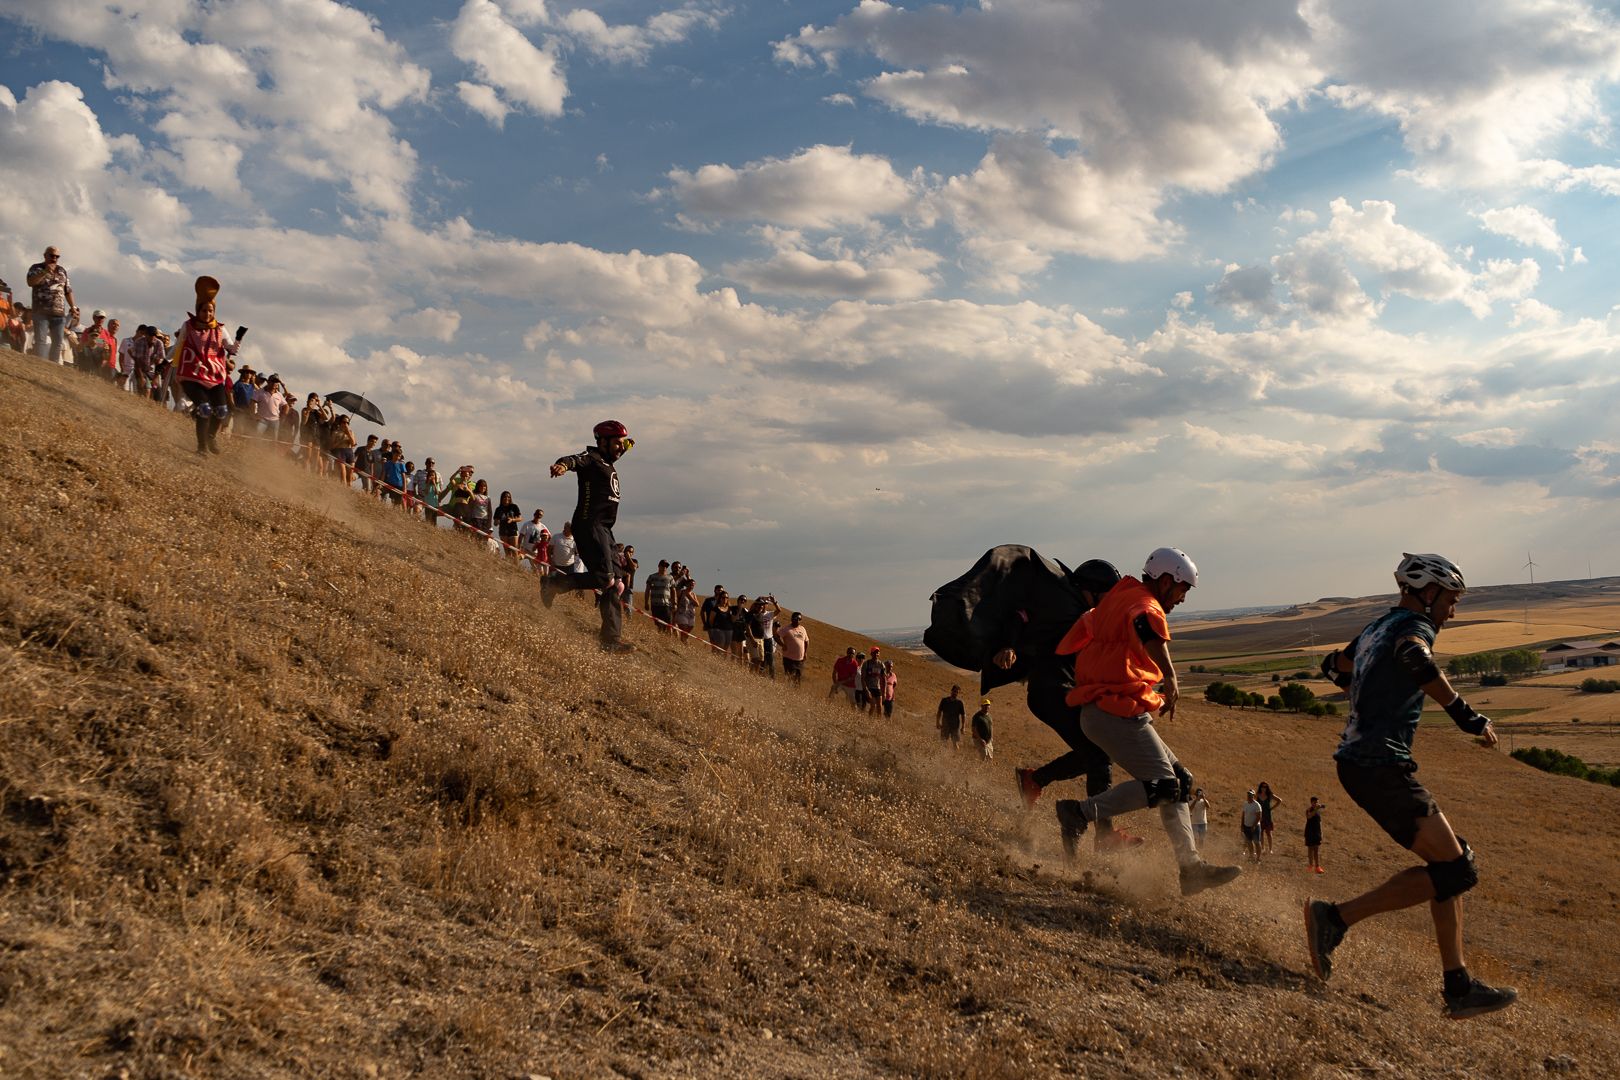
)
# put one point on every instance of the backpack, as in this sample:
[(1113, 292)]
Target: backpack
[(967, 611)]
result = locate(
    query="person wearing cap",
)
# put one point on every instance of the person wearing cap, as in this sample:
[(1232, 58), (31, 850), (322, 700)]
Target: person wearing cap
[(983, 731), (203, 367), (872, 680), (1122, 654), (52, 305), (96, 348), (595, 514)]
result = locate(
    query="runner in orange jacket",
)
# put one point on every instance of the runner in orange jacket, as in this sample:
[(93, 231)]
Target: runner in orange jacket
[(1124, 653)]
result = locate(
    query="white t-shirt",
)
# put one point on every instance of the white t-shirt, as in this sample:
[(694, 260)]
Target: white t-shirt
[(563, 551), (1251, 814), (1200, 811)]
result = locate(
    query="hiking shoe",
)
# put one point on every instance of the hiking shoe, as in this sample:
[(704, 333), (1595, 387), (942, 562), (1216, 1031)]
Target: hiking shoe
[(1028, 789), (1198, 876), (1323, 933), (548, 595), (214, 447), (1479, 1000), (618, 647), (1072, 825)]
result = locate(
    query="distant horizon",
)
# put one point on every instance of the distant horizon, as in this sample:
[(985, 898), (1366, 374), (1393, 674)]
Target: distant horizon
[(1194, 614)]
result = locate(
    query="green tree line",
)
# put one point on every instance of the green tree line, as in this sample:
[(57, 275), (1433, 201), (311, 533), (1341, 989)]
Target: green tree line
[(1290, 695), (1512, 662), (1556, 761)]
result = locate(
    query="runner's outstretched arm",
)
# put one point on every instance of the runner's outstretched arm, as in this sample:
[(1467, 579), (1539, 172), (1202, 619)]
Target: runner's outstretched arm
[(1159, 652)]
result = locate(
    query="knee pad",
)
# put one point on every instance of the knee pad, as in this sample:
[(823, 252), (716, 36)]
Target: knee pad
[(1184, 782), (221, 412), (202, 410), (1455, 877), (1167, 790)]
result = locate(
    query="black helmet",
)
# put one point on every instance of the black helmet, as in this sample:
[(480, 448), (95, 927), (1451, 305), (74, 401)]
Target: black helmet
[(1095, 576)]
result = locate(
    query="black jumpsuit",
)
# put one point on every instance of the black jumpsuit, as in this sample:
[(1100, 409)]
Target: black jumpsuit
[(594, 517)]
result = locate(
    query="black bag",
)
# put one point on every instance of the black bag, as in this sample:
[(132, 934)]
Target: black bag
[(966, 624)]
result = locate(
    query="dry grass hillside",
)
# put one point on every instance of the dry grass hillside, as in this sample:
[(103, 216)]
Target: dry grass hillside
[(292, 787)]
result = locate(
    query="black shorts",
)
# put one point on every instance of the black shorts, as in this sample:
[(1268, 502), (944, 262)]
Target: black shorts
[(792, 667), (1251, 833), (1391, 795)]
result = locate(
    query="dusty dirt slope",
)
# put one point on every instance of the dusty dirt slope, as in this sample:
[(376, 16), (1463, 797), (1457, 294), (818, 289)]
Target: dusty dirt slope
[(290, 786)]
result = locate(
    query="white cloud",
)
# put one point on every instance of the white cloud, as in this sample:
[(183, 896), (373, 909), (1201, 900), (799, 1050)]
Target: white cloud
[(1155, 104), (1525, 225), (1319, 268), (821, 187), (839, 99), (483, 100), (508, 61), (1184, 99), (1482, 89), (792, 272), (633, 44), (1532, 312), (1024, 195), (1249, 291), (252, 88)]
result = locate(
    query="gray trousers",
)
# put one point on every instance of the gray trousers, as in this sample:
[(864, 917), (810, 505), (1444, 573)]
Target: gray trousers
[(1135, 746)]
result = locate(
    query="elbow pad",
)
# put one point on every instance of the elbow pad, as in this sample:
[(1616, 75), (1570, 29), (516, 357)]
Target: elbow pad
[(1331, 672), (1415, 659), (1464, 716)]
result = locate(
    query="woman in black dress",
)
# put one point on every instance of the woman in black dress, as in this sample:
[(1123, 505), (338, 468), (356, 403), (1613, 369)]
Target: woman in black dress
[(1313, 836)]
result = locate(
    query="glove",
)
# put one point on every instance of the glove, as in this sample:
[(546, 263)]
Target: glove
[(1184, 778), (1464, 716), (1331, 672)]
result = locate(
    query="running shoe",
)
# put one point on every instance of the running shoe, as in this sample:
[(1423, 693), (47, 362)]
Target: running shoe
[(1479, 1000), (1072, 824), (1323, 933), (1318, 870), (1028, 789), (1113, 840), (1198, 876), (548, 595)]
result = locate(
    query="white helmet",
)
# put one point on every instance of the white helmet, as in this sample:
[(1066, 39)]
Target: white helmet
[(1172, 561), (1417, 571)]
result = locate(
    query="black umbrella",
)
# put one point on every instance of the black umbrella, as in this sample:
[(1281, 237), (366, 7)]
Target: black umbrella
[(358, 405)]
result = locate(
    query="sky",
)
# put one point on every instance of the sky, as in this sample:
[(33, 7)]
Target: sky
[(1295, 287)]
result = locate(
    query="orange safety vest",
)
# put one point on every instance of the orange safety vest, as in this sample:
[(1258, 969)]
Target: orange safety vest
[(1114, 671)]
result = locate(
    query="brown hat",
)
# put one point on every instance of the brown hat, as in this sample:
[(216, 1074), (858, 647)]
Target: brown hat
[(207, 288)]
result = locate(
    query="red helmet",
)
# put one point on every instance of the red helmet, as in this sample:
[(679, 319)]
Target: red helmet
[(610, 429)]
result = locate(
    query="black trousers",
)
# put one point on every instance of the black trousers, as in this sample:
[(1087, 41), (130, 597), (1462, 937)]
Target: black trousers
[(210, 408), (595, 542), (1046, 701)]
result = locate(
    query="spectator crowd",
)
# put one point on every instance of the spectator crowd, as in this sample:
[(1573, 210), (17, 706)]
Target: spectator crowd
[(317, 436)]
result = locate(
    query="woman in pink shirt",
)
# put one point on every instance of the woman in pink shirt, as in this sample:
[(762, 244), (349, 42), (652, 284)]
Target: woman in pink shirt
[(203, 367)]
